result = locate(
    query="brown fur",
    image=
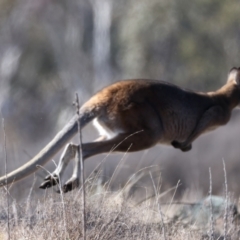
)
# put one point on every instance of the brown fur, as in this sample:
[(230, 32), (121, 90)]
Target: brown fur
[(133, 115)]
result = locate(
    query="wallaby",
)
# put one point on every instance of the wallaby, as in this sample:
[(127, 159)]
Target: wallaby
[(133, 115)]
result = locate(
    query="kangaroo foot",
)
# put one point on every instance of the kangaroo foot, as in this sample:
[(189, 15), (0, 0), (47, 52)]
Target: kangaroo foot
[(71, 184), (50, 180)]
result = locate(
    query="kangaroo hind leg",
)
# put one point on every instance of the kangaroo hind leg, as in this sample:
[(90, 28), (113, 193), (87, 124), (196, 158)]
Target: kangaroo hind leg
[(54, 178), (70, 152), (74, 181), (121, 143)]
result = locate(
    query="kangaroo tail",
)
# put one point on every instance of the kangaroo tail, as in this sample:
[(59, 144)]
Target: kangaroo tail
[(50, 149)]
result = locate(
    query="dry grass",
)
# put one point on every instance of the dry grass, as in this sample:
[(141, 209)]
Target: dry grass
[(108, 216), (115, 215)]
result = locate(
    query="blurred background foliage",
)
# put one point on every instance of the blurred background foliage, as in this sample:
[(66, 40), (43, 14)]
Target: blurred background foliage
[(50, 49)]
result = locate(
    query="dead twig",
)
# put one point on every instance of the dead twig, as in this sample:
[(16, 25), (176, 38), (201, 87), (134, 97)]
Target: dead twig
[(80, 158), (211, 233), (5, 157), (226, 201)]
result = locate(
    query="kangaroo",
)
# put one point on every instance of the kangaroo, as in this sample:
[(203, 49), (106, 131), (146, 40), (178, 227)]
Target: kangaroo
[(134, 115)]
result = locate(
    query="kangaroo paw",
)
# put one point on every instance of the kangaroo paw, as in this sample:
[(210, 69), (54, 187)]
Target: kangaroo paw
[(187, 148), (182, 146)]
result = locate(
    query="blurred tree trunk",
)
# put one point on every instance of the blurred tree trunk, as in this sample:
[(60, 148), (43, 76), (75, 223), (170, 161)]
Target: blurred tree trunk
[(102, 10)]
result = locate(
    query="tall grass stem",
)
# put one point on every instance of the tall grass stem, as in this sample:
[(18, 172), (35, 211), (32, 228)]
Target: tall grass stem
[(5, 167), (80, 156)]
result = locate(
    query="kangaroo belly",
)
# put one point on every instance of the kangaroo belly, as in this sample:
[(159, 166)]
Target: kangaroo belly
[(177, 128)]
